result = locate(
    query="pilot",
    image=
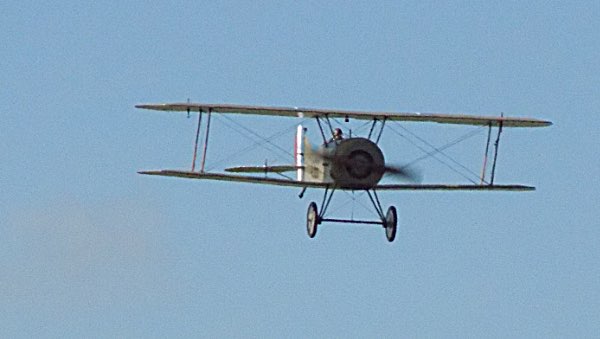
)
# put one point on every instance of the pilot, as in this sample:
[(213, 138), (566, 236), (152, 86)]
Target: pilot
[(337, 134), (337, 137)]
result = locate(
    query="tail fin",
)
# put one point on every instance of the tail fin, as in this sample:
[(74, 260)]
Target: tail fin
[(299, 152)]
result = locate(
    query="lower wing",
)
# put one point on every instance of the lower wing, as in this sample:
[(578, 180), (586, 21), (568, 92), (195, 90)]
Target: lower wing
[(308, 184)]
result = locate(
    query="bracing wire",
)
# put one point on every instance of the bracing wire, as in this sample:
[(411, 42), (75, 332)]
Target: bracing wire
[(439, 150), (264, 142)]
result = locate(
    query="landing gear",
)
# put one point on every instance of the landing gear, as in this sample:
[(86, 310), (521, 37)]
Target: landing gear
[(312, 220), (390, 223)]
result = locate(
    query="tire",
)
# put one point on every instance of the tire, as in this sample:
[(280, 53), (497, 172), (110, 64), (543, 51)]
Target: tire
[(312, 220), (391, 223)]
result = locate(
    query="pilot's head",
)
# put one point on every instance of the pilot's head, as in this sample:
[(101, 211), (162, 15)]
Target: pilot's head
[(337, 134)]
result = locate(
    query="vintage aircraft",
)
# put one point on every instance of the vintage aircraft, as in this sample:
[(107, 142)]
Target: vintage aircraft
[(353, 163)]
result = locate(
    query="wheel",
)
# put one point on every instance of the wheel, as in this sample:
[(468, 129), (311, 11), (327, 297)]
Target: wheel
[(312, 220), (391, 222)]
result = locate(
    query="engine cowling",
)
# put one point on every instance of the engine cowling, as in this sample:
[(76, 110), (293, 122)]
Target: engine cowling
[(357, 163)]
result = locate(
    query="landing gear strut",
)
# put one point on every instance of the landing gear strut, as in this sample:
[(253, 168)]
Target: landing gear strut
[(389, 221)]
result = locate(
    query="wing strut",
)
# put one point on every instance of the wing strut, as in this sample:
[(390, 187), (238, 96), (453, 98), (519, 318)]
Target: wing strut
[(485, 156), (325, 140), (372, 128), (329, 123), (197, 135), (375, 120), (321, 129), (206, 141), (381, 130), (496, 144)]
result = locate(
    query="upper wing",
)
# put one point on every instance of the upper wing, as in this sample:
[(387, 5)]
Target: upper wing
[(303, 184), (461, 119)]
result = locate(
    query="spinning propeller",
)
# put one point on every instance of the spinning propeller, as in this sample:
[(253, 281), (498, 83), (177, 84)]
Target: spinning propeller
[(361, 164), (404, 172)]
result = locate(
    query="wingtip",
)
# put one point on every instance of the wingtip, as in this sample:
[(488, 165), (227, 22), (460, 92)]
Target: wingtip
[(544, 123), (525, 188), (144, 106), (148, 172)]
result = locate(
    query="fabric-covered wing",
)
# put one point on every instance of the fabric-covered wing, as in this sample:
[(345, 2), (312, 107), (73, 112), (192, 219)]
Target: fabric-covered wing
[(460, 119), (236, 178), (263, 169), (450, 187), (302, 184)]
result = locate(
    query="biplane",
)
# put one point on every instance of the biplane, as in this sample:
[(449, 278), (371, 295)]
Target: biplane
[(355, 163)]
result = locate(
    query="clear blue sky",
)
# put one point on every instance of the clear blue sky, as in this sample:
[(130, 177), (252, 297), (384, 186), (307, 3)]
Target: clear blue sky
[(89, 248)]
